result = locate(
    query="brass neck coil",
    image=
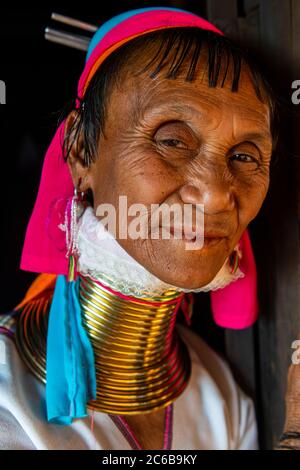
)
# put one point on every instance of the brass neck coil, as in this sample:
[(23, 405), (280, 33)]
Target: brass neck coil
[(141, 363)]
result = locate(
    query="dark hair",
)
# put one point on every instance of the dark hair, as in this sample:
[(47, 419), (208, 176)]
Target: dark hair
[(177, 47)]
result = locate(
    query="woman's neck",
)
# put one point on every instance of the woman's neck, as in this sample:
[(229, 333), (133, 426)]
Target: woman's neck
[(141, 362)]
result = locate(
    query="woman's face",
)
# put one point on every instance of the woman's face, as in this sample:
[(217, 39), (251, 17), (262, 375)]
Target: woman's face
[(171, 141)]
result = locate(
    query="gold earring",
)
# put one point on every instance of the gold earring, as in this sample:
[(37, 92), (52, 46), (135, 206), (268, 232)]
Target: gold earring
[(73, 212)]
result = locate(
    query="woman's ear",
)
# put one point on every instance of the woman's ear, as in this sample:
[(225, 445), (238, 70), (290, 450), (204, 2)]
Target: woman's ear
[(74, 141)]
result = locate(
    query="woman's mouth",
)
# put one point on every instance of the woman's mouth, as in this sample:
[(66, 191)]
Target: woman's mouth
[(189, 235)]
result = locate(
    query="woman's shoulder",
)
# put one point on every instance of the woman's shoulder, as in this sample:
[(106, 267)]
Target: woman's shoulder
[(218, 387), (10, 361), (15, 387), (215, 365), (13, 368), (8, 323), (8, 351)]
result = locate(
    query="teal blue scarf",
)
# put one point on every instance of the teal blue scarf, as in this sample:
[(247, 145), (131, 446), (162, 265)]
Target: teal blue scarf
[(70, 364)]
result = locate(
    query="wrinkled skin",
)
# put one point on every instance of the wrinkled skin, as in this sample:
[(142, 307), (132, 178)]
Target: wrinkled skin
[(171, 141)]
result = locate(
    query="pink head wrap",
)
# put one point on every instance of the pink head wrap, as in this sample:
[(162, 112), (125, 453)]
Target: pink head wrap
[(44, 251)]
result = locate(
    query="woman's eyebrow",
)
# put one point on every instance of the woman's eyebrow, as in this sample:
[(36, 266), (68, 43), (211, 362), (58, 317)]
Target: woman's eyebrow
[(256, 136), (179, 109), (183, 109)]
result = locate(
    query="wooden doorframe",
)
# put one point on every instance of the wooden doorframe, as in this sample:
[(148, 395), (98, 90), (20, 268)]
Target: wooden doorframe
[(260, 355)]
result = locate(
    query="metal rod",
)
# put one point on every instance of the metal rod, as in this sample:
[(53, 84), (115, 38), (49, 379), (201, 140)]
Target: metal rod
[(73, 22), (67, 39)]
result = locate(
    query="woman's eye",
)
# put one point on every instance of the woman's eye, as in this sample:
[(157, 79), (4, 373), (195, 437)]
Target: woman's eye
[(242, 157), (173, 143)]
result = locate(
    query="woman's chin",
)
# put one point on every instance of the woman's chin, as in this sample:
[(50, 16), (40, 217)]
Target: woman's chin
[(181, 268), (187, 279), (189, 271), (188, 284)]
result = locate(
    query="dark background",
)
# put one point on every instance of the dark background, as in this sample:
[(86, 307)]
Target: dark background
[(41, 78)]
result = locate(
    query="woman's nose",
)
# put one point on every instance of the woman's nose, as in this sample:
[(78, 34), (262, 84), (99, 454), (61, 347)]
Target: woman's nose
[(216, 196)]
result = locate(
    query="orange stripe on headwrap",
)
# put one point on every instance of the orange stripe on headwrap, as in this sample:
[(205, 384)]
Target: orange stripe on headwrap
[(106, 53)]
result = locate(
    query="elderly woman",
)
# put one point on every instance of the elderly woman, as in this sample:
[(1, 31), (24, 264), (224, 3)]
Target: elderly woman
[(169, 112)]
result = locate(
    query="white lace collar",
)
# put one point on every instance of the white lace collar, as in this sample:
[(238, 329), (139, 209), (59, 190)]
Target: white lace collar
[(103, 258)]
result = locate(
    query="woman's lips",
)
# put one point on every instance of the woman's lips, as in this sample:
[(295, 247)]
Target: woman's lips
[(188, 235)]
